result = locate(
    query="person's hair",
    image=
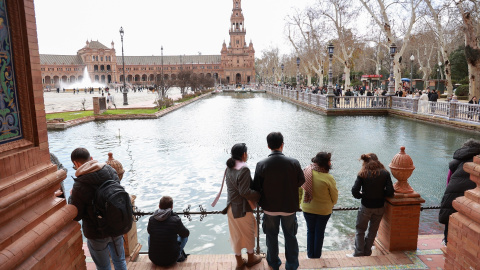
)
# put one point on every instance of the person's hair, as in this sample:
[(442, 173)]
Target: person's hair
[(80, 155), (166, 202), (236, 154), (371, 165), (322, 159), (274, 140), (472, 143)]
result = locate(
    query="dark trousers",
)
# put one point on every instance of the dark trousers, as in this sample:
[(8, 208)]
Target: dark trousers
[(271, 227), (316, 225)]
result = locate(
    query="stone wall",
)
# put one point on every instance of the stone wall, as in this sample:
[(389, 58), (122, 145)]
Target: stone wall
[(37, 230)]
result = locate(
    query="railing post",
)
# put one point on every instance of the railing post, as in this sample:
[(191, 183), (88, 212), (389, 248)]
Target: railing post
[(453, 110), (399, 227), (297, 94), (415, 106), (330, 101)]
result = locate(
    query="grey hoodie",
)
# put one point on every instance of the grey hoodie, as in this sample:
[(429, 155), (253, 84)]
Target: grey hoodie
[(162, 214)]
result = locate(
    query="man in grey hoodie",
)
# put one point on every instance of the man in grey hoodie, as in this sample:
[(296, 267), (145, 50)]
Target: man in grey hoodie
[(168, 235)]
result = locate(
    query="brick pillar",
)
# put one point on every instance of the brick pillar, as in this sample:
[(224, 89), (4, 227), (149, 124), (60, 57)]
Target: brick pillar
[(99, 105), (37, 230), (463, 249), (399, 227)]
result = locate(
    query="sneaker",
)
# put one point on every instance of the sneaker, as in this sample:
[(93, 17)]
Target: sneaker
[(350, 255)]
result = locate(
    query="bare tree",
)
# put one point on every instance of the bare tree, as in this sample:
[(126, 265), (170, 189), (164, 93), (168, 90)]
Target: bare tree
[(469, 10), (439, 27), (340, 14), (381, 11), (183, 78), (307, 35)]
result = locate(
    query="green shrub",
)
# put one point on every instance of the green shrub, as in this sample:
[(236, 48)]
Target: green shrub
[(462, 90)]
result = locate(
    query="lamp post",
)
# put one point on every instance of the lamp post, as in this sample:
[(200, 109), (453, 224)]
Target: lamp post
[(330, 72), (282, 66), (273, 75), (391, 83), (161, 87), (298, 73), (412, 58), (125, 98), (438, 74)]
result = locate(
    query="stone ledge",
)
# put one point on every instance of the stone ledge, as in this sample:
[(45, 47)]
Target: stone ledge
[(71, 123), (384, 111)]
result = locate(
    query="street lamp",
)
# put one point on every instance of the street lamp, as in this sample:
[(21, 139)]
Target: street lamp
[(282, 66), (412, 58), (161, 48), (125, 98), (391, 83), (330, 72), (273, 75), (438, 74), (298, 73)]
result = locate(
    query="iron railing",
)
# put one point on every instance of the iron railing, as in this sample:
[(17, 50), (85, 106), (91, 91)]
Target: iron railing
[(203, 213)]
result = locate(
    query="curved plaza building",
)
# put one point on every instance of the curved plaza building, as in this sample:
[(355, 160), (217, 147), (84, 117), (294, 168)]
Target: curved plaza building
[(235, 64)]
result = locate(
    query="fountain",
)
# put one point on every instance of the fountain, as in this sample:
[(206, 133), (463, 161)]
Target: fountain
[(86, 82)]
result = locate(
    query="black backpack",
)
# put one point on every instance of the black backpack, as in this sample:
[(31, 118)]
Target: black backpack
[(112, 209)]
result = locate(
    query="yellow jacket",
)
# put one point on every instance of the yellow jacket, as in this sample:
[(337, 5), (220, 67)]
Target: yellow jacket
[(325, 195)]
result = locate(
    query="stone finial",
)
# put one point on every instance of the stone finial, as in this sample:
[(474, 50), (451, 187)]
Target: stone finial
[(116, 165), (402, 168)]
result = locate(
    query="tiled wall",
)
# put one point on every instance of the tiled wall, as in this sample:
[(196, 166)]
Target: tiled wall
[(36, 228)]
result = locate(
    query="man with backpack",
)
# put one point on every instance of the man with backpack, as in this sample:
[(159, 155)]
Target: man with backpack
[(104, 208)]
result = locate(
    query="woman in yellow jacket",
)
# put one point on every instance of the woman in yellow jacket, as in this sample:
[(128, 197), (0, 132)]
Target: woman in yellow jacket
[(318, 196)]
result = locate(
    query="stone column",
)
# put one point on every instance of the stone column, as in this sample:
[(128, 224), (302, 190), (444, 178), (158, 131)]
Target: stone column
[(415, 105), (463, 249), (399, 227), (453, 110)]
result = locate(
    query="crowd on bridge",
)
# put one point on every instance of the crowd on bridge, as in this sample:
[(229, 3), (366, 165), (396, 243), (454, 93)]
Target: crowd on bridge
[(279, 186)]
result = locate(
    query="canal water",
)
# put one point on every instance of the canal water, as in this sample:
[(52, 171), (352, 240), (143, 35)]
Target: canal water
[(183, 155)]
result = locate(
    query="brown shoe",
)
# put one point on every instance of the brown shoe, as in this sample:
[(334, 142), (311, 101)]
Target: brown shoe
[(253, 259), (240, 262)]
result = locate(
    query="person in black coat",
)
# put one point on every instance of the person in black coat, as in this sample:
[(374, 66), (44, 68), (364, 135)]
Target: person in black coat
[(168, 235), (90, 175), (459, 180)]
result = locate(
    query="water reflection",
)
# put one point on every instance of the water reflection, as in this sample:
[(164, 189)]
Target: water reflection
[(183, 155)]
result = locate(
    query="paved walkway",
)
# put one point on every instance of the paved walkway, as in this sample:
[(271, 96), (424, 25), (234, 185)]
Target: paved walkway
[(61, 102), (427, 256)]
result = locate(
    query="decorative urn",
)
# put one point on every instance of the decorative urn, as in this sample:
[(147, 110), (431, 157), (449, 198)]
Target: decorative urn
[(402, 168), (116, 165)]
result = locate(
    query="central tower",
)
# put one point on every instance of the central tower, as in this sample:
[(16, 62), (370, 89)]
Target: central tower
[(238, 59)]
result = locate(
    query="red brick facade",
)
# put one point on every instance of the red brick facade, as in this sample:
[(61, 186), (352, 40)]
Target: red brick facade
[(235, 65), (36, 228)]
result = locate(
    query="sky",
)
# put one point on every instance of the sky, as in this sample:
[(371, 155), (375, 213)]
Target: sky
[(183, 27)]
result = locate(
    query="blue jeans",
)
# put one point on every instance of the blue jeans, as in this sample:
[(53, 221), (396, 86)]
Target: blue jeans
[(100, 249), (367, 218), (316, 225), (271, 228)]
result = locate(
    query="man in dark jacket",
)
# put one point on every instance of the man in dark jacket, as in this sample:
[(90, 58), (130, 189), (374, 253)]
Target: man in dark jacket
[(459, 180), (278, 178), (90, 175), (168, 236)]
